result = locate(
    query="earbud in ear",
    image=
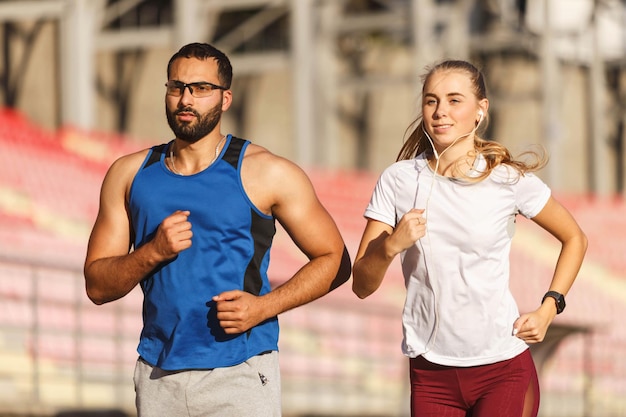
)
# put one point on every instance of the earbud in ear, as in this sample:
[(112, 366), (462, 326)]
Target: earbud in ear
[(481, 114)]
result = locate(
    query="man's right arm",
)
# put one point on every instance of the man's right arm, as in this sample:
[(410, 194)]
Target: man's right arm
[(110, 270)]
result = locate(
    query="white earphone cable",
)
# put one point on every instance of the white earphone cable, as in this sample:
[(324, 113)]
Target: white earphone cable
[(431, 276)]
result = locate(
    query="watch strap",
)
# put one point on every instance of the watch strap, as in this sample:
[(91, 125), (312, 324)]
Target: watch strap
[(558, 298)]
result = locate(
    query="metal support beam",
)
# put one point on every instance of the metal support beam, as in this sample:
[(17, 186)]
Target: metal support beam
[(302, 73), (187, 22), (26, 10), (551, 92), (78, 30), (422, 21), (602, 164)]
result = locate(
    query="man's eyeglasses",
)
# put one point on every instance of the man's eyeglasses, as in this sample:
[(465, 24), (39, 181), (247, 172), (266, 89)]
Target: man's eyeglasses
[(198, 90)]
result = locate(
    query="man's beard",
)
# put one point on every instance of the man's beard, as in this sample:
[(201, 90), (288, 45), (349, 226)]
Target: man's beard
[(190, 132)]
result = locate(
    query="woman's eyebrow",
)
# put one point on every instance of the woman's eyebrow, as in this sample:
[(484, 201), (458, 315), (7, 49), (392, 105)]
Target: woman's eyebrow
[(452, 94)]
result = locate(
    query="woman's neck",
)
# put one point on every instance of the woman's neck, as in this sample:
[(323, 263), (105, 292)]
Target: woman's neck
[(453, 164)]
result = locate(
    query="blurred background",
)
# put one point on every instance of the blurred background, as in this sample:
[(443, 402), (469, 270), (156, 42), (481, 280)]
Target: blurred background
[(332, 85)]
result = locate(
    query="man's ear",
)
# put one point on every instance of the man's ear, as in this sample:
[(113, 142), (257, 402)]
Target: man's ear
[(227, 99)]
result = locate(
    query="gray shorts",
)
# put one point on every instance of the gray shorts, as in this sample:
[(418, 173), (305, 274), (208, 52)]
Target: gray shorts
[(251, 388)]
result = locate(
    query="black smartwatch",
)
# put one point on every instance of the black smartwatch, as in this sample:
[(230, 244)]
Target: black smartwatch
[(558, 298)]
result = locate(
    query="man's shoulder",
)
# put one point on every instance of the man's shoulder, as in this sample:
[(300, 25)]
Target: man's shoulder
[(133, 157), (262, 165), (261, 156), (128, 164)]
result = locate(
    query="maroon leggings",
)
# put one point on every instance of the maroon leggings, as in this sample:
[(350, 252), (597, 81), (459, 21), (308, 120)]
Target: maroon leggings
[(509, 388)]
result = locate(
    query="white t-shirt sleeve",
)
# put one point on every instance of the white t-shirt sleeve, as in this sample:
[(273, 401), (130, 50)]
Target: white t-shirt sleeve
[(382, 205), (531, 195)]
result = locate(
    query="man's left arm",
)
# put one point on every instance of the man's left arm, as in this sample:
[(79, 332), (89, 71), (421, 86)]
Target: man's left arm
[(298, 209)]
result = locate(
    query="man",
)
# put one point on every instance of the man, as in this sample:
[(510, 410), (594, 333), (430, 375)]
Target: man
[(198, 213)]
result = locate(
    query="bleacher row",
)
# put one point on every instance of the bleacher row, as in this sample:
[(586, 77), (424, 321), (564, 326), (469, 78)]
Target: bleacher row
[(339, 354)]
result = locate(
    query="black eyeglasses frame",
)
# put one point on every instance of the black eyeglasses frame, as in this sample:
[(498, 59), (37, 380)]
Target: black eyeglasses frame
[(182, 86)]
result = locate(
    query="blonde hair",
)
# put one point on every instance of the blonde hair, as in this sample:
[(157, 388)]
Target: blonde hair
[(493, 152)]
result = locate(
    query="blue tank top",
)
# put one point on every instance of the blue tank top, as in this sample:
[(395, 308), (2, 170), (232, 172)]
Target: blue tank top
[(230, 250)]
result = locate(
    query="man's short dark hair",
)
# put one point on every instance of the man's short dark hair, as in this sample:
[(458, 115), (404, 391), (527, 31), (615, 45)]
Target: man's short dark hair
[(205, 51)]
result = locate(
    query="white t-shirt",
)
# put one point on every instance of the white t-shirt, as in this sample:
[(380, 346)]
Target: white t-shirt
[(459, 310)]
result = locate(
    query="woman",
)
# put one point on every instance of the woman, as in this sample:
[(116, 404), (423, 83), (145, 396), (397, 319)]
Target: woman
[(448, 208)]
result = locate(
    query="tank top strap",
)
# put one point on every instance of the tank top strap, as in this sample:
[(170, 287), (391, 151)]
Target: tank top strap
[(234, 152), (156, 154)]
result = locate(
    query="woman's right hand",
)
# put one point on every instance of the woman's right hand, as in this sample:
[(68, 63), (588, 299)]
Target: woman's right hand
[(410, 228)]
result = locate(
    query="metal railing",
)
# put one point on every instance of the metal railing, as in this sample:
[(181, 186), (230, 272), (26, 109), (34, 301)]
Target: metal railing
[(59, 351)]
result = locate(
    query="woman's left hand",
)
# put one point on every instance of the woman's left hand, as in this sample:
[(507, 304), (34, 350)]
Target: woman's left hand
[(532, 327)]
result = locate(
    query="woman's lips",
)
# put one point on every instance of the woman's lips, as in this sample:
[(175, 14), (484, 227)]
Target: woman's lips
[(441, 128)]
